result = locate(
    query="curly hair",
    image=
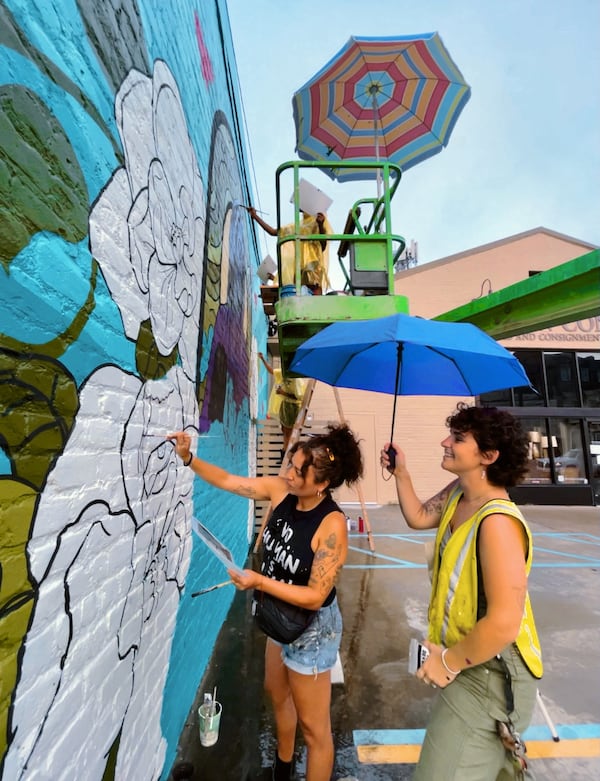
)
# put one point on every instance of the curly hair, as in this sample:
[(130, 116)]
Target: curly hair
[(334, 456), (494, 429)]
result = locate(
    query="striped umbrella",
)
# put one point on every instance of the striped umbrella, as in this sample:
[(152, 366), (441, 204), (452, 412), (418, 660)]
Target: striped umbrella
[(394, 99)]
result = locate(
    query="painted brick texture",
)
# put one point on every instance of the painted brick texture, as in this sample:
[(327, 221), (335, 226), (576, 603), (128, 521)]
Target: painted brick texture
[(129, 309)]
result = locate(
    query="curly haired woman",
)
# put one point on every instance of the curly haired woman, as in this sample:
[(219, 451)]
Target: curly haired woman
[(484, 652), (305, 543)]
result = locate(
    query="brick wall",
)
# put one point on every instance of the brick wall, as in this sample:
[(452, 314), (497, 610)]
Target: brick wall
[(128, 309)]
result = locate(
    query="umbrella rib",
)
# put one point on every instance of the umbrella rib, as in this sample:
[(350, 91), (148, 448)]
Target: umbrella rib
[(352, 357), (453, 360)]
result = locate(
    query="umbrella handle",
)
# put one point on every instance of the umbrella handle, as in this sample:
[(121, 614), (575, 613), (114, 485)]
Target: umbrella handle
[(391, 454)]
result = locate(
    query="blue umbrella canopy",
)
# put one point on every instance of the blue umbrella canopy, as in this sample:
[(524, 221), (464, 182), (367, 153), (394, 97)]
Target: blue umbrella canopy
[(409, 356)]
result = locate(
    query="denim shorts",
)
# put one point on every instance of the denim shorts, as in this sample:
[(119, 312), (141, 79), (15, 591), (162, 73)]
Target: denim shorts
[(315, 651)]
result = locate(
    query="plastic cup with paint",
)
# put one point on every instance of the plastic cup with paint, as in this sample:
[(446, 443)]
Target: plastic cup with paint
[(209, 717)]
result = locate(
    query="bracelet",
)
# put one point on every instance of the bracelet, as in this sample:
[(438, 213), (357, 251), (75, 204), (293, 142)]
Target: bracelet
[(452, 672), (189, 461)]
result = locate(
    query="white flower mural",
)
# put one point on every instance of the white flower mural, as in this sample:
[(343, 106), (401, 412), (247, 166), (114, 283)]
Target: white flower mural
[(132, 530), (110, 545), (147, 227)]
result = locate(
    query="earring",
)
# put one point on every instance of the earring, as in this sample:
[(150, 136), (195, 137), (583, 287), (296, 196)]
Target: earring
[(319, 494), (483, 474)]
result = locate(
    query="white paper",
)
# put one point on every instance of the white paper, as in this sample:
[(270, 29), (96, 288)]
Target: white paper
[(268, 266), (216, 546), (311, 200)]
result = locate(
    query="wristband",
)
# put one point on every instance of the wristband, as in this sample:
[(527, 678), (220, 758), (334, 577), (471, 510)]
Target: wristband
[(452, 672), (189, 461)]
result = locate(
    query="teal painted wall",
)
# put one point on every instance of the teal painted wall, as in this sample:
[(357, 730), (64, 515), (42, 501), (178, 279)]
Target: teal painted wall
[(129, 308)]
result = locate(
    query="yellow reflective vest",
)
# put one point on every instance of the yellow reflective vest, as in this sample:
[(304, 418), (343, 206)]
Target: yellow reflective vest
[(454, 592)]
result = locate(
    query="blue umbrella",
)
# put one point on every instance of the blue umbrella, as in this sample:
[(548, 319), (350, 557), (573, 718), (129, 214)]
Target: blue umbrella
[(409, 356)]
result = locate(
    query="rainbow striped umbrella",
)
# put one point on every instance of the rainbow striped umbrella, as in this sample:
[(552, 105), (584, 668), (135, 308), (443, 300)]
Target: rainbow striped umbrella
[(394, 99)]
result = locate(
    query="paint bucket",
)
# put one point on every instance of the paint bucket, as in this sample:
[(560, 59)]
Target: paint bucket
[(290, 290)]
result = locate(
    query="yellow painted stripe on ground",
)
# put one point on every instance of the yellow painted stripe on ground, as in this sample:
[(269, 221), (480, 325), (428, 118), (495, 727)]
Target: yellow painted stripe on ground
[(388, 755), (536, 749), (548, 749)]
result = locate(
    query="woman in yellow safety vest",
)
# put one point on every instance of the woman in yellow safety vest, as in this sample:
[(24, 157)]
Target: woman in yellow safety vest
[(484, 652)]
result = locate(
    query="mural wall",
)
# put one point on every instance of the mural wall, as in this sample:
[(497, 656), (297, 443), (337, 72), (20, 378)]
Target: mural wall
[(128, 309)]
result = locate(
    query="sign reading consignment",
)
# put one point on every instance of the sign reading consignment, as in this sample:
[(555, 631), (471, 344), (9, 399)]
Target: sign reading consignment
[(582, 334)]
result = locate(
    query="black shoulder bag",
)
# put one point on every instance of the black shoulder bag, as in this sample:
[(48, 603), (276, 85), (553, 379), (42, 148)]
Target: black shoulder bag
[(280, 620)]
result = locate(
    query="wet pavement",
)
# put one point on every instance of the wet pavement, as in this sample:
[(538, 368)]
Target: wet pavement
[(383, 597)]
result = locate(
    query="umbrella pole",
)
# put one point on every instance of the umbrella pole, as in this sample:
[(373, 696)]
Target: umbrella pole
[(376, 123), (396, 388), (359, 491)]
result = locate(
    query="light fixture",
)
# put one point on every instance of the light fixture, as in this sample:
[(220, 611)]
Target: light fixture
[(489, 290)]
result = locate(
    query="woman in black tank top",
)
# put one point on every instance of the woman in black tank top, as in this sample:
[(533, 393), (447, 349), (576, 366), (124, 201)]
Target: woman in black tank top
[(305, 544)]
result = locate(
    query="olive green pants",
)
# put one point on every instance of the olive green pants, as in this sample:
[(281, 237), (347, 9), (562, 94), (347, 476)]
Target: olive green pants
[(461, 742)]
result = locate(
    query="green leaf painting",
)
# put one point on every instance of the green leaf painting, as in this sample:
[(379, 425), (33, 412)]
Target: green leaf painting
[(115, 33), (41, 184), (38, 404)]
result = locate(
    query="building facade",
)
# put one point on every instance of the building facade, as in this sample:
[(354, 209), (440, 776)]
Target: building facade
[(563, 363)]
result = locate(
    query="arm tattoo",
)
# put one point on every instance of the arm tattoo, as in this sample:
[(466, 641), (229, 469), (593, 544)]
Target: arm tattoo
[(245, 490), (434, 505), (325, 567)]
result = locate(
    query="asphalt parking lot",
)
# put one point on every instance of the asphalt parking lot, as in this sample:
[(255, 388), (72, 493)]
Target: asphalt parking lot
[(379, 711)]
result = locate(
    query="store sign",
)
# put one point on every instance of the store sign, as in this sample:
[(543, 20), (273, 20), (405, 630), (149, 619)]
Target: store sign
[(582, 333)]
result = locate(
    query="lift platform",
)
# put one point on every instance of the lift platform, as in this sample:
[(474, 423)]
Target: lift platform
[(368, 251)]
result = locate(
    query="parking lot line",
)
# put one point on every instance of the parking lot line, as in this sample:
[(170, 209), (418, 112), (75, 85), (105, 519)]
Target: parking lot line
[(397, 746)]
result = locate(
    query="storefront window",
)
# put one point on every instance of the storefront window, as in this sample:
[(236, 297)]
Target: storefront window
[(561, 376), (531, 361), (556, 453), (589, 375), (565, 447), (501, 398), (539, 466), (594, 440)]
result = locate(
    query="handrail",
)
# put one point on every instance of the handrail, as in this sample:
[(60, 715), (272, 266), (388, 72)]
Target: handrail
[(349, 227), (377, 229)]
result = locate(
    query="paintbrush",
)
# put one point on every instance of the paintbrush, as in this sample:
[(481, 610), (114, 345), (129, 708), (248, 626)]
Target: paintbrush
[(247, 208), (211, 588)]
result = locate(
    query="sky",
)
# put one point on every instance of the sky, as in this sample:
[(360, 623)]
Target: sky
[(524, 153)]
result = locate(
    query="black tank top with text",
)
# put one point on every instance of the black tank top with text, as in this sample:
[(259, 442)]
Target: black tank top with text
[(286, 551)]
